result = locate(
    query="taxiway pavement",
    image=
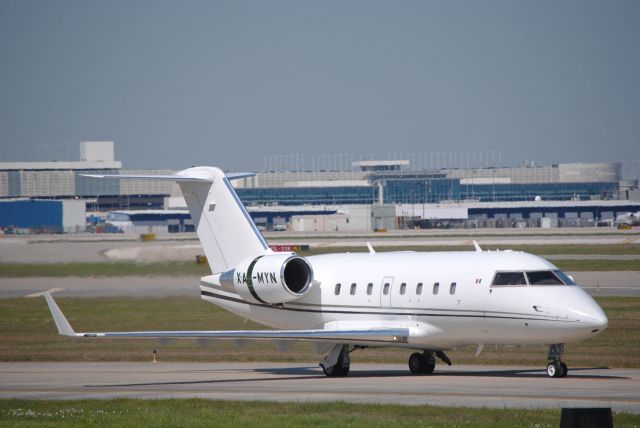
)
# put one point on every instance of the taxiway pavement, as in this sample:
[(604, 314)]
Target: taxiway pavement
[(469, 386)]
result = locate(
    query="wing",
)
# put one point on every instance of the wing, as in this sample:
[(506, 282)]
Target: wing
[(355, 336)]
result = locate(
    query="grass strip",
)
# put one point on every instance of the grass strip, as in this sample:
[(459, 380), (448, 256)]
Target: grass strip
[(29, 334), (121, 413)]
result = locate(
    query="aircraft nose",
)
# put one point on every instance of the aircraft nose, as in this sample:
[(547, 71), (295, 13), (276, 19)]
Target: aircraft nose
[(599, 320), (586, 310), (593, 315)]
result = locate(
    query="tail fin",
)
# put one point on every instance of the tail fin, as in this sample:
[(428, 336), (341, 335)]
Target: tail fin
[(224, 227), (227, 233)]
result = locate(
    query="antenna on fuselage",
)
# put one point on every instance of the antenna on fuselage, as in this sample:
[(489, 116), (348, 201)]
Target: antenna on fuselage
[(477, 246), (371, 250)]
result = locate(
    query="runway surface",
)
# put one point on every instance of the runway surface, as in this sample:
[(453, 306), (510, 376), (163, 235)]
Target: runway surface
[(596, 283), (469, 386)]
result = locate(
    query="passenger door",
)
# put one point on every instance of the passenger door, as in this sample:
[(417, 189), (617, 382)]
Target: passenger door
[(385, 291)]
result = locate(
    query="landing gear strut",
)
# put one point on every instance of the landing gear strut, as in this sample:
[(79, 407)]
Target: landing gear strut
[(337, 363), (556, 367)]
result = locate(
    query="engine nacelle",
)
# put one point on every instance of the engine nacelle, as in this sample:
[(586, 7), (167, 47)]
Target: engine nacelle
[(274, 278)]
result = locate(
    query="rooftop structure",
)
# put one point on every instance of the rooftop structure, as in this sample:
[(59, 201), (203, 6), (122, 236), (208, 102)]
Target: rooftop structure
[(381, 165), (96, 151)]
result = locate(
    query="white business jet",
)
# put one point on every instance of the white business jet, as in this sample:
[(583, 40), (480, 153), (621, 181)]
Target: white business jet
[(629, 219), (423, 301)]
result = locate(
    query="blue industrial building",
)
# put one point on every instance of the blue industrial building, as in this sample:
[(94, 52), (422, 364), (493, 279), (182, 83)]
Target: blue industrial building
[(151, 221), (54, 216)]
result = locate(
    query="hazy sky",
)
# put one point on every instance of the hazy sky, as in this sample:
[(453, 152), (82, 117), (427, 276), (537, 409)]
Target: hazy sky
[(180, 83)]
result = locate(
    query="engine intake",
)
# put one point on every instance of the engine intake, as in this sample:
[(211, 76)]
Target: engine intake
[(275, 278)]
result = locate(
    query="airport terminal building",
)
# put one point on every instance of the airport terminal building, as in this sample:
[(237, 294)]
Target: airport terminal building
[(393, 182), (584, 191)]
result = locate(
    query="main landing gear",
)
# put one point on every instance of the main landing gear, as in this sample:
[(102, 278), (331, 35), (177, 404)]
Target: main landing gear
[(425, 363), (337, 363), (556, 367)]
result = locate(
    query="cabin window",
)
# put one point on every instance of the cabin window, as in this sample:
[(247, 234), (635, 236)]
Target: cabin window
[(509, 278), (369, 289), (337, 290), (452, 288), (543, 277), (436, 287), (419, 289), (353, 289), (385, 289), (403, 288)]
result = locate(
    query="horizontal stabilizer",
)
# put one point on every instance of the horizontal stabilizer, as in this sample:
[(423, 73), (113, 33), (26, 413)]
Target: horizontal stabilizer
[(190, 177), (147, 177), (359, 335)]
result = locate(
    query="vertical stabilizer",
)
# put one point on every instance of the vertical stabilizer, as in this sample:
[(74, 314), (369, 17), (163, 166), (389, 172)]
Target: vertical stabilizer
[(224, 227)]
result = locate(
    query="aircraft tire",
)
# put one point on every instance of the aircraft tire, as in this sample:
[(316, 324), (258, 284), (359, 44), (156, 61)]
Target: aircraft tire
[(336, 371), (565, 369), (429, 367), (556, 369), (339, 370), (417, 363)]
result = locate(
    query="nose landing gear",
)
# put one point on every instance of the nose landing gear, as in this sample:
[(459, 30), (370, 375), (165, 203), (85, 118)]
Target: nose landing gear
[(556, 367)]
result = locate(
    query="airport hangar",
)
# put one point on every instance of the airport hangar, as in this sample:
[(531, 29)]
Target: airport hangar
[(360, 196)]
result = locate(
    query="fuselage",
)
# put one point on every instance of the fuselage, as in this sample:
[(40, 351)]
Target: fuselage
[(447, 299)]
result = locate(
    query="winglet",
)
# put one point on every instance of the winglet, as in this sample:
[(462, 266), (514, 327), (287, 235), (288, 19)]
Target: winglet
[(64, 328), (177, 177), (477, 247)]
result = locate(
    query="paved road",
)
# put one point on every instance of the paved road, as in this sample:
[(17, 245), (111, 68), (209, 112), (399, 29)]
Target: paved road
[(596, 283), (473, 386)]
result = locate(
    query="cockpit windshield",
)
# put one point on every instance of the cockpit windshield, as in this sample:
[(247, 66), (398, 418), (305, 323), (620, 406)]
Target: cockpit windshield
[(509, 278), (564, 277), (543, 277), (538, 277)]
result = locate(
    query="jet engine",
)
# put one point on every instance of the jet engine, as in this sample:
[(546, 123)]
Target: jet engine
[(273, 278)]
